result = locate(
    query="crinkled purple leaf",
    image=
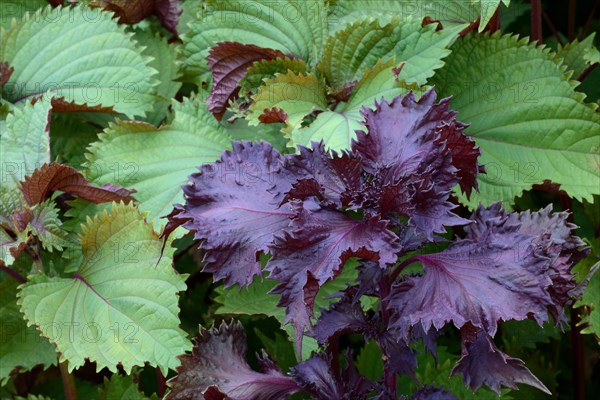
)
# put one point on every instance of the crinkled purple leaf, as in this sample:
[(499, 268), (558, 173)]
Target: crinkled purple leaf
[(432, 393), (556, 241), (342, 317), (233, 208), (409, 150), (313, 250), (477, 281), (483, 364), (315, 376), (218, 365), (229, 62), (334, 179), (553, 239), (402, 134), (399, 357)]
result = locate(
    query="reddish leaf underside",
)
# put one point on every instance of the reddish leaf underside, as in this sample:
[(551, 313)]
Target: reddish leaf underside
[(50, 177)]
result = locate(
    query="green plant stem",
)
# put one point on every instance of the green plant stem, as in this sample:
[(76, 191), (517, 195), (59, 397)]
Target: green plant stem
[(68, 381), (536, 21)]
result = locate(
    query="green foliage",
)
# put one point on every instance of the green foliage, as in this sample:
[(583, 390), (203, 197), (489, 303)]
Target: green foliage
[(120, 387), (255, 300), (350, 52), (578, 55), (102, 67), (103, 319), (545, 130)]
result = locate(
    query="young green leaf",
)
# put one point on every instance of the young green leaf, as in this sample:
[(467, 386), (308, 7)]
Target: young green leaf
[(591, 299), (545, 130), (157, 161), (349, 53), (488, 9), (263, 69), (296, 94), (337, 128), (79, 57), (121, 307), (578, 55)]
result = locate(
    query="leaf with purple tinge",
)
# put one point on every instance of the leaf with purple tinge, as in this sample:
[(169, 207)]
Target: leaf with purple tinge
[(313, 250), (168, 12), (217, 369), (133, 11), (229, 62), (482, 363), (232, 206), (316, 376)]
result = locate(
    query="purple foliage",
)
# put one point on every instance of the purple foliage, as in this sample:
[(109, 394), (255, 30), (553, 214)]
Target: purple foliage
[(384, 198)]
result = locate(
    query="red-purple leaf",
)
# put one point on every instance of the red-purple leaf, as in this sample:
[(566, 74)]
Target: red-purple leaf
[(233, 207), (478, 282), (464, 154), (217, 367), (483, 364), (50, 177), (409, 149), (313, 250), (334, 179), (229, 62), (554, 240), (133, 11)]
